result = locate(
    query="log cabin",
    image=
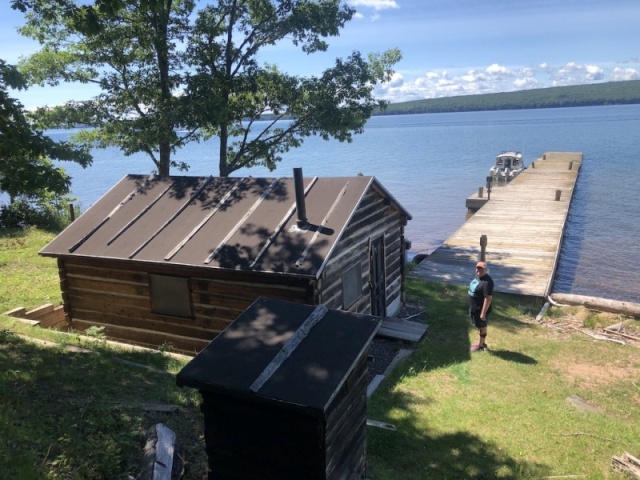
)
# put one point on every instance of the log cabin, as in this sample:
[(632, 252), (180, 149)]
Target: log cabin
[(174, 260)]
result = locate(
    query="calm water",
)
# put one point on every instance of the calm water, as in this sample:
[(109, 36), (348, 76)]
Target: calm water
[(431, 163)]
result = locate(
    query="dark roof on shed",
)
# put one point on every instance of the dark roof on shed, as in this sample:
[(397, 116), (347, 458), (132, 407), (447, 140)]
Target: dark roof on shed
[(231, 223), (310, 375)]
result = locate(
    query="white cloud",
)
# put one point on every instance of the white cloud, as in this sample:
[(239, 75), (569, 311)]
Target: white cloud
[(621, 74), (375, 4), (575, 74), (496, 69), (498, 78), (526, 83)]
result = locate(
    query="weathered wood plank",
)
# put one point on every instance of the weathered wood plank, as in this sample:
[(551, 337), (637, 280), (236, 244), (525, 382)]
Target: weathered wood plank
[(402, 329), (53, 318), (147, 338), (16, 312), (197, 329), (524, 224), (36, 313)]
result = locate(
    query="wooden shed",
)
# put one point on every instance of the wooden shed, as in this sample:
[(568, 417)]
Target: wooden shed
[(279, 403), (176, 259)]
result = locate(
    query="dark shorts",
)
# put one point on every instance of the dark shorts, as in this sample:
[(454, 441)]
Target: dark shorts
[(474, 316)]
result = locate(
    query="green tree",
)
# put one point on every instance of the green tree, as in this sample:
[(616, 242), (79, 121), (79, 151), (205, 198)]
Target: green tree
[(236, 91), (130, 49), (26, 154), (164, 68)]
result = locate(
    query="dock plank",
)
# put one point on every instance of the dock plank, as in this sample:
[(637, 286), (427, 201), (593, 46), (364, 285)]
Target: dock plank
[(524, 225)]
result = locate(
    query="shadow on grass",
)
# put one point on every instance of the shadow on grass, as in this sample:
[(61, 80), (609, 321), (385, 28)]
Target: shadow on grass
[(68, 414), (516, 357), (447, 341), (412, 453), (415, 453)]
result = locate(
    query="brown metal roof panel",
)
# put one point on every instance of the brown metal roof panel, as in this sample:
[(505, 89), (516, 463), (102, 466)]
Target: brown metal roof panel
[(173, 241), (100, 217), (214, 236), (329, 204), (156, 214), (253, 226)]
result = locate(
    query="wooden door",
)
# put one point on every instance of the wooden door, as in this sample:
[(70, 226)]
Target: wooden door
[(377, 280)]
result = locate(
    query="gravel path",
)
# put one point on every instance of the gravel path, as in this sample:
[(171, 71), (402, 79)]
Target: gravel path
[(383, 352)]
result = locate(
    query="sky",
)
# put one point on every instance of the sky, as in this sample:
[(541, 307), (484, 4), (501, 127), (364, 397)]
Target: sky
[(449, 47)]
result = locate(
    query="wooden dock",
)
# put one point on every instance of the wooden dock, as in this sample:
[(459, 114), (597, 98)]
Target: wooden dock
[(524, 224)]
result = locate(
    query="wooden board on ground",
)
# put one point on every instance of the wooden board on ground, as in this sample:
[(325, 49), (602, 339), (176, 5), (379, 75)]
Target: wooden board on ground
[(400, 329)]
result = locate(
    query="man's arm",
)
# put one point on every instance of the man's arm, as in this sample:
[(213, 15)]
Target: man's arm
[(485, 306)]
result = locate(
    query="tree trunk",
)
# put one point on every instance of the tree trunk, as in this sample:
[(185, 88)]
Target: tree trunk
[(226, 93), (166, 100), (224, 138), (600, 304), (164, 165)]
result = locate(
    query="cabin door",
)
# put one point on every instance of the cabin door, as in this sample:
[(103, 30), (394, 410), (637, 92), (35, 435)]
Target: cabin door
[(377, 277)]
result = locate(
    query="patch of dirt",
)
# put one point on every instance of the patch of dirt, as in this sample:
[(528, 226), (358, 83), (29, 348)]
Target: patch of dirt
[(611, 328), (589, 375)]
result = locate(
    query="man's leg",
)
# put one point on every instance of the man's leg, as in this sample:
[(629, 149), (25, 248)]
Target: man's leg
[(483, 336)]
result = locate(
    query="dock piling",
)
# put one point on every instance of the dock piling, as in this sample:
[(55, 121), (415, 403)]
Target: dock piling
[(483, 248)]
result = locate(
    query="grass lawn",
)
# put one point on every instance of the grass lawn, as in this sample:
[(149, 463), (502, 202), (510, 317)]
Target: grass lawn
[(504, 413), (70, 414)]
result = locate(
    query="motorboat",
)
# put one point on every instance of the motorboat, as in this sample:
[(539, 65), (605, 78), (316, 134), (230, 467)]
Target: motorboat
[(507, 167)]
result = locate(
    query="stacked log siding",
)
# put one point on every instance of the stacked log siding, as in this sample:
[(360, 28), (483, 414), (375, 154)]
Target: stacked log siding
[(144, 228)]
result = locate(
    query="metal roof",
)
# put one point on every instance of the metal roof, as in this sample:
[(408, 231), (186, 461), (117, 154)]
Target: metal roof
[(279, 350), (231, 223)]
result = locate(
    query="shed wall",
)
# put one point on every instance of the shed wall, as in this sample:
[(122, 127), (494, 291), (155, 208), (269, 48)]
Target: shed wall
[(251, 438), (117, 297), (373, 218)]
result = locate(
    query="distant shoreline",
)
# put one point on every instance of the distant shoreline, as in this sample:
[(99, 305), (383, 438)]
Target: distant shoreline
[(600, 94)]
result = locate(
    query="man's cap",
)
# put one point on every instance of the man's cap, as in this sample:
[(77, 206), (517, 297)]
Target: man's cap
[(481, 265)]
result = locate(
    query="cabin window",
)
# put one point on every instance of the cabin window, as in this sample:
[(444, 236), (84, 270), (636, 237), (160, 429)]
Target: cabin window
[(351, 285), (170, 296)]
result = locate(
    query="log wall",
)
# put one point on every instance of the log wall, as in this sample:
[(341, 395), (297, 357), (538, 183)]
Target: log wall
[(372, 219), (250, 438), (114, 296)]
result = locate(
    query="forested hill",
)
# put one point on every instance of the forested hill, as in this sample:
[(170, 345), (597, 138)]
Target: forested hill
[(611, 93)]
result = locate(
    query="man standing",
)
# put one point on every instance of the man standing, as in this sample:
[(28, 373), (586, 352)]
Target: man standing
[(480, 296)]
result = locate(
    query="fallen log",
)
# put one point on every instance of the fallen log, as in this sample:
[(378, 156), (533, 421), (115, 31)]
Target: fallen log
[(597, 303), (627, 463)]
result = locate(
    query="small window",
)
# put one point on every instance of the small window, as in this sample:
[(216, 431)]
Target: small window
[(170, 296), (351, 285)]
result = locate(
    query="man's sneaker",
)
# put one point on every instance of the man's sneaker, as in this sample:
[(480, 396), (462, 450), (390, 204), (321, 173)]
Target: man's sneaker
[(479, 348)]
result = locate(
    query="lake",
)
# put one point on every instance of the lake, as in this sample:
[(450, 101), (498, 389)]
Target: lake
[(431, 163)]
